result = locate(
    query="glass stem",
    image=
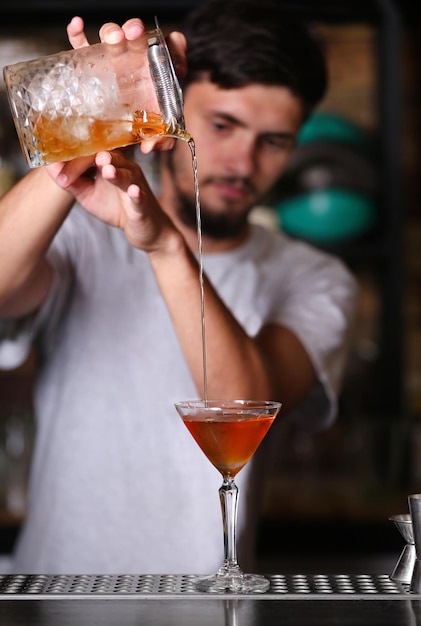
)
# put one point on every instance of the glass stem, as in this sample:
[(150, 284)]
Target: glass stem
[(228, 495)]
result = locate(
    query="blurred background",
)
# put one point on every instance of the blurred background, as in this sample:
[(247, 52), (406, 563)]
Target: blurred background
[(352, 187)]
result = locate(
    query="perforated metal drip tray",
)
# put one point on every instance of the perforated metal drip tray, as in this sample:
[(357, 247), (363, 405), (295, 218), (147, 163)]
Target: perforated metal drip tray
[(296, 586)]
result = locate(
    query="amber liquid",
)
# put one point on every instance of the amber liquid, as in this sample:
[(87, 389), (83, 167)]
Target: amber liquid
[(201, 274), (63, 139), (230, 441)]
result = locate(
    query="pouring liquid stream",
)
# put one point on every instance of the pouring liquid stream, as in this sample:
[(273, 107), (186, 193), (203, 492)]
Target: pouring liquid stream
[(200, 256)]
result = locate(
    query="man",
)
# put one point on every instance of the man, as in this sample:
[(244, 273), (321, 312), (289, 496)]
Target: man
[(110, 294)]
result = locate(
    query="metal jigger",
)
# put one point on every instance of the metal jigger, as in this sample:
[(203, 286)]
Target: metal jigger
[(405, 565), (415, 510)]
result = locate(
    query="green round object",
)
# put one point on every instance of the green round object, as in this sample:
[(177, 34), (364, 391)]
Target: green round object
[(331, 127), (326, 215)]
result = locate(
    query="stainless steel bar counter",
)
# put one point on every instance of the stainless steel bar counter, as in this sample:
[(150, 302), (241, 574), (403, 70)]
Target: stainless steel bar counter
[(168, 600)]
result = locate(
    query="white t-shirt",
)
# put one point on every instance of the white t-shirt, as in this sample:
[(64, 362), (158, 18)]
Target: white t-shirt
[(118, 485)]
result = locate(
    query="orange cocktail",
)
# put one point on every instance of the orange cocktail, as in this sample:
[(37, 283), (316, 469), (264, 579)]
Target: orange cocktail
[(229, 432), (230, 441)]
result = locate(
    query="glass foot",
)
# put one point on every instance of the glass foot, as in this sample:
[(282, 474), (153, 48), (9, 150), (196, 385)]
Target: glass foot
[(238, 582)]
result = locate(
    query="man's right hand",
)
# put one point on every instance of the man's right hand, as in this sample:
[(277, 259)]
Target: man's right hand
[(131, 30)]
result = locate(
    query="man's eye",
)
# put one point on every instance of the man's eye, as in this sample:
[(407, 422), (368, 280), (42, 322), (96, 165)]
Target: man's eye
[(277, 143), (217, 125)]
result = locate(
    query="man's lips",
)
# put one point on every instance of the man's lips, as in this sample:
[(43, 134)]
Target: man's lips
[(232, 190)]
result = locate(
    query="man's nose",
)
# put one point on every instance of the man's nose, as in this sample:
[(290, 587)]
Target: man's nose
[(242, 158)]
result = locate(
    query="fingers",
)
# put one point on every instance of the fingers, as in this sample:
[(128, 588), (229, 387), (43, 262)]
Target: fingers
[(122, 173), (134, 193), (177, 46), (113, 33), (76, 33), (109, 32), (119, 170), (157, 145), (104, 162), (65, 174), (133, 28), (103, 158)]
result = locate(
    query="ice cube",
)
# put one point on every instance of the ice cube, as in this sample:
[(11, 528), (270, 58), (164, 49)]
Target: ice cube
[(65, 91), (78, 127)]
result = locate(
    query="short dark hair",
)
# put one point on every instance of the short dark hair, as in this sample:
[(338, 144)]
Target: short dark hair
[(234, 43)]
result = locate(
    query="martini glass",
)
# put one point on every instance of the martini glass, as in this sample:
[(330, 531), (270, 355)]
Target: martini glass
[(229, 432)]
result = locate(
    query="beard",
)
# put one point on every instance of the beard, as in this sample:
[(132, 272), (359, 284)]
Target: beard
[(214, 225), (218, 226)]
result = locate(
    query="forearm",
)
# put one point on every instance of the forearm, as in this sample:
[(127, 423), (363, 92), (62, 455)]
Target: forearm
[(235, 368), (30, 215)]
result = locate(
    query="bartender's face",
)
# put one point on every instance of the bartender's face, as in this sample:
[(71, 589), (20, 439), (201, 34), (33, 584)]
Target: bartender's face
[(243, 138)]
